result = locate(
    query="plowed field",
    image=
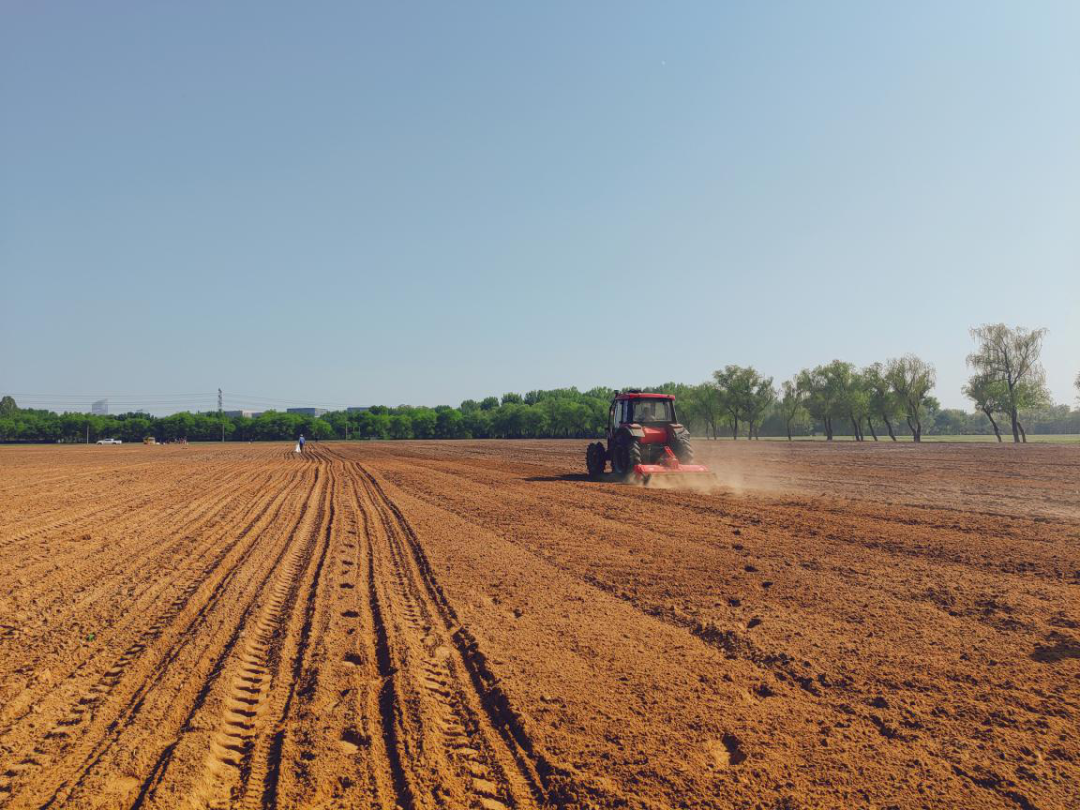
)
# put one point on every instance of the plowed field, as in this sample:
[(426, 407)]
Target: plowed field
[(476, 625)]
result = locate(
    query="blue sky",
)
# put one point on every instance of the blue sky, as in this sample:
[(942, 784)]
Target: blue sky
[(355, 203)]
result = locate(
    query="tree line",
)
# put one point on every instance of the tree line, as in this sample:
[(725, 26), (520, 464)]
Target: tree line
[(882, 393), (560, 413), (1008, 382), (888, 399)]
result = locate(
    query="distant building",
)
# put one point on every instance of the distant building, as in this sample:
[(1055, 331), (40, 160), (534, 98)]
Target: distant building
[(245, 414), (359, 409), (100, 408), (308, 411)]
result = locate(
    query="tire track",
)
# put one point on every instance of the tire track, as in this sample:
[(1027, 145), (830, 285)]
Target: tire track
[(179, 641), (148, 491), (204, 516), (332, 747), (244, 689), (86, 578), (265, 773), (449, 729)]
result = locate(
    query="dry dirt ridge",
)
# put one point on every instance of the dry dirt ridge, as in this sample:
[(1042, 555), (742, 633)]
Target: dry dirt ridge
[(476, 625)]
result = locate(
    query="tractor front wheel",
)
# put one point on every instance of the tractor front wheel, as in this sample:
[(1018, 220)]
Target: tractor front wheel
[(596, 459)]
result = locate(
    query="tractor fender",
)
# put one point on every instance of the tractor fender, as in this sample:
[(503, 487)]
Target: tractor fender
[(637, 431)]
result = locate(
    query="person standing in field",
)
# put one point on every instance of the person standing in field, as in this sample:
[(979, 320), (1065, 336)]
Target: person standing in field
[(300, 442)]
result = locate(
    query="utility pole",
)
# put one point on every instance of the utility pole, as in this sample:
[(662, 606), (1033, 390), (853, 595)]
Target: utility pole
[(88, 431), (221, 415)]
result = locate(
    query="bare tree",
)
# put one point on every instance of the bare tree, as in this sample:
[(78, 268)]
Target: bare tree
[(911, 379), (1011, 356)]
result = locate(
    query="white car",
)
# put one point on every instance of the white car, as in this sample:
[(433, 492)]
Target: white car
[(110, 441)]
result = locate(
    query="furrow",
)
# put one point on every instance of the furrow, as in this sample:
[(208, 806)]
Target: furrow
[(456, 735), (179, 646), (242, 753)]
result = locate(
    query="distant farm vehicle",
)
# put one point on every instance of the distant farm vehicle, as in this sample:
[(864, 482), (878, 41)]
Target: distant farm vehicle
[(644, 438), (149, 440), (110, 441)]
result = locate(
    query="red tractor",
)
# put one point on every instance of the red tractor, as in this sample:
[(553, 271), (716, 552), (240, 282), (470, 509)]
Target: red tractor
[(644, 438)]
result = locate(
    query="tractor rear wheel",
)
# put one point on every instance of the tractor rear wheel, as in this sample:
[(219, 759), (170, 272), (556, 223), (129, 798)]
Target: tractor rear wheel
[(626, 456), (683, 450), (596, 459)]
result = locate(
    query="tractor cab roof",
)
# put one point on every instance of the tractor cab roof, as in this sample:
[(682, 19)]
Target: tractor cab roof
[(641, 395)]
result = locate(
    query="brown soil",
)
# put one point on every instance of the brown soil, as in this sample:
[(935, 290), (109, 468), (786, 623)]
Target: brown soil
[(476, 624)]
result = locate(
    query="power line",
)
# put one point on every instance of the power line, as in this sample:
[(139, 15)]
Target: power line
[(283, 401), (195, 401), (164, 397), (117, 394)]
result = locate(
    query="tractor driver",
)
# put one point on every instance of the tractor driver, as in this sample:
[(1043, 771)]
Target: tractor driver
[(646, 411)]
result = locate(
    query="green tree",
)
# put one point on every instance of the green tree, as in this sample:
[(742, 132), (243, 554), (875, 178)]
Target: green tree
[(990, 396), (321, 430), (535, 422), (824, 387), (743, 394), (761, 396), (478, 423), (702, 403), (135, 429), (339, 421), (600, 392), (1012, 356), (912, 379), (400, 427), (853, 397), (450, 424), (424, 421), (729, 396), (816, 396), (564, 417), (508, 421), (8, 406), (73, 427), (881, 400), (378, 426), (792, 402)]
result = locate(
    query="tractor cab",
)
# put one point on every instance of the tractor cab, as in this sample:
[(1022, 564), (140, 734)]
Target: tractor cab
[(654, 409)]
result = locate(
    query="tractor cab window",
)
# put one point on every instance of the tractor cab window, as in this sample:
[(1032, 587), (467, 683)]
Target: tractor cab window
[(616, 413), (652, 410)]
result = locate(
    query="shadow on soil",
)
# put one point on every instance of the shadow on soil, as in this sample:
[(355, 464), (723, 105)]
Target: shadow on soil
[(607, 478), (1064, 648)]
